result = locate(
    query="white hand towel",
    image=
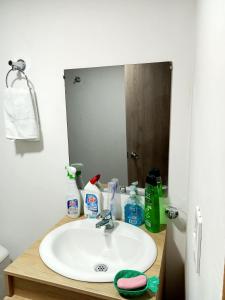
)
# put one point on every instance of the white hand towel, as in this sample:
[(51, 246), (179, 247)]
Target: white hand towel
[(21, 115)]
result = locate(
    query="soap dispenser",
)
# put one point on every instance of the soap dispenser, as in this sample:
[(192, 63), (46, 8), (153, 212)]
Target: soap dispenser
[(133, 210)]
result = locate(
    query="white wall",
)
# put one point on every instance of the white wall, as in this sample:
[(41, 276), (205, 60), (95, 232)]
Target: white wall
[(207, 172), (55, 35)]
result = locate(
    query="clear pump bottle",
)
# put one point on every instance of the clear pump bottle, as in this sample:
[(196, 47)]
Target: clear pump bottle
[(133, 210)]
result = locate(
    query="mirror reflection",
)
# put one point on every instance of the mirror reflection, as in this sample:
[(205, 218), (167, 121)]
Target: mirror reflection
[(118, 120)]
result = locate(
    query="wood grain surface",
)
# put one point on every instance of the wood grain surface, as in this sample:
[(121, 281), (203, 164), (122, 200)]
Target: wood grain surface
[(147, 93)]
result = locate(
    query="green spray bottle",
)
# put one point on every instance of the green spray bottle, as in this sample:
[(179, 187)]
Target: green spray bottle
[(152, 213)]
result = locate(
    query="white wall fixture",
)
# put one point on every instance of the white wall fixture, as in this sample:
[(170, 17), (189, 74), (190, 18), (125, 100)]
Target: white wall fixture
[(197, 238)]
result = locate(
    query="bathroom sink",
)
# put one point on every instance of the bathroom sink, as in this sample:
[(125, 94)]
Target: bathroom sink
[(78, 250)]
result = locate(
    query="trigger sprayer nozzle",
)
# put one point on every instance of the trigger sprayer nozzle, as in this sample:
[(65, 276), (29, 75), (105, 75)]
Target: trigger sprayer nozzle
[(71, 172)]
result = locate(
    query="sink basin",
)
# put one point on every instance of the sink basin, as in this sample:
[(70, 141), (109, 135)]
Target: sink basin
[(78, 250)]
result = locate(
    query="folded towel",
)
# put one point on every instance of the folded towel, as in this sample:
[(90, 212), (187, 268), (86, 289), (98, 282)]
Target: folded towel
[(20, 114)]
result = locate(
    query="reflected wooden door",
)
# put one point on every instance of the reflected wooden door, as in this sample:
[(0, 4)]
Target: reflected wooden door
[(147, 93)]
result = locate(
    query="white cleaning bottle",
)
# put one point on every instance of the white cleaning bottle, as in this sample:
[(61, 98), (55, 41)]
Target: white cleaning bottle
[(73, 199), (93, 198)]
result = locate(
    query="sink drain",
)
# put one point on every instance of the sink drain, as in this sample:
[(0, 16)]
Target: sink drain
[(101, 268)]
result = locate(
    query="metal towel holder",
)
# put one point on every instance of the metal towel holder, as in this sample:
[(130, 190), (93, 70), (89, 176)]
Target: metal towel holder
[(20, 66)]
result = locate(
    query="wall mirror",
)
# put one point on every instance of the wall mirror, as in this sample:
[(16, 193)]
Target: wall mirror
[(118, 120)]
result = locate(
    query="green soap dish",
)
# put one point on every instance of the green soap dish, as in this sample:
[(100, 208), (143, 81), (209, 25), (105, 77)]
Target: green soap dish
[(152, 283)]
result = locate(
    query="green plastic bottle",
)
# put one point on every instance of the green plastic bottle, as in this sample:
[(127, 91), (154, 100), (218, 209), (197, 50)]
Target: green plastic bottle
[(162, 195), (152, 213), (156, 173)]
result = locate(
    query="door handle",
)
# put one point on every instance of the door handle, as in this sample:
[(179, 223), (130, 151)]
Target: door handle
[(133, 155)]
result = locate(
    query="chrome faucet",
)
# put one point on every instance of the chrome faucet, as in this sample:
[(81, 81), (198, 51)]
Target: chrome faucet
[(106, 221)]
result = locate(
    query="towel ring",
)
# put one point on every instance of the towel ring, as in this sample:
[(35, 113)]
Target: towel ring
[(19, 66)]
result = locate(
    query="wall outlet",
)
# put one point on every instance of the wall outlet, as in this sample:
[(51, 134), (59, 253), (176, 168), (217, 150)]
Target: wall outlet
[(197, 238)]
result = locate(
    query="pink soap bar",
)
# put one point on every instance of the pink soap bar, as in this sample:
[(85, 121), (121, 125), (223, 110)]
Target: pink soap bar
[(132, 283)]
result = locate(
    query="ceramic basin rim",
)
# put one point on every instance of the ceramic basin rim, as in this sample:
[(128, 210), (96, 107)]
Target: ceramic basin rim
[(59, 267)]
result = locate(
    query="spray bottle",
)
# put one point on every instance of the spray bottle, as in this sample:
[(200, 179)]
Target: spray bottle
[(73, 198), (79, 178)]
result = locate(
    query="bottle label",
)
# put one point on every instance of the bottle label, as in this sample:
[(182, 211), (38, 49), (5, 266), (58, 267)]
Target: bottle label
[(134, 214), (92, 204), (152, 216), (72, 207)]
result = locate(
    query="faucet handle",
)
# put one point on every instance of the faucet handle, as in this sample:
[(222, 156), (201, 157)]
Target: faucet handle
[(104, 214)]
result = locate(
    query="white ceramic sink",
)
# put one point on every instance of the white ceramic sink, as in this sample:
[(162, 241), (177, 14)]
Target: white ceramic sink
[(79, 250)]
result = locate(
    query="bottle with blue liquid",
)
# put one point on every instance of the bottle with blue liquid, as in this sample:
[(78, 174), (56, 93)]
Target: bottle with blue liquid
[(134, 210)]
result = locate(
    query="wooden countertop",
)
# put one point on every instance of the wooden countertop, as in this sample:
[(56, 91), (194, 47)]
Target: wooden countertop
[(29, 266)]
